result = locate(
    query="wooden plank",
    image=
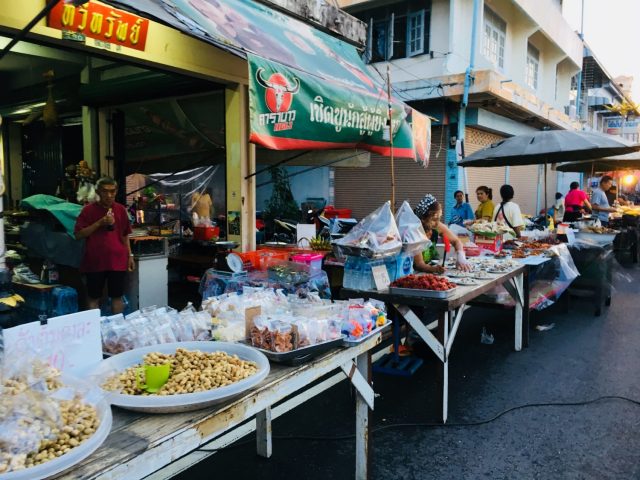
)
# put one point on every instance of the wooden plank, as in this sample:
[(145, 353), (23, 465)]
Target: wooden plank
[(263, 433), (363, 420), (144, 443), (361, 385), (422, 331)]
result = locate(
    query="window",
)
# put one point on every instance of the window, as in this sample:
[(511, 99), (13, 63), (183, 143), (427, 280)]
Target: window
[(495, 32), (533, 64), (397, 31)]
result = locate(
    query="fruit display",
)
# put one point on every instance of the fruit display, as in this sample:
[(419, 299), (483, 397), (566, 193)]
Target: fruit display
[(190, 371), (424, 282), (37, 422), (319, 243)]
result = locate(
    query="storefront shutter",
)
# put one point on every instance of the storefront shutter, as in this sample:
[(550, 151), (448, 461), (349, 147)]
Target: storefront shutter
[(365, 189)]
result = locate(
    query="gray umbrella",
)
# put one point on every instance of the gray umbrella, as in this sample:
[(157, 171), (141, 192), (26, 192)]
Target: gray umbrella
[(548, 146), (609, 164)]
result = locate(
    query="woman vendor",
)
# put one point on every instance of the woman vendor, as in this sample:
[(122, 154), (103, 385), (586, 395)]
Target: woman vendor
[(429, 212)]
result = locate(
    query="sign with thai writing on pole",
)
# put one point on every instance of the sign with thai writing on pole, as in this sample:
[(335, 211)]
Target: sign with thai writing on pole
[(70, 343), (103, 23)]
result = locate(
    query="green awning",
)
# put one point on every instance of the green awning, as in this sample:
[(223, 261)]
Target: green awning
[(308, 89)]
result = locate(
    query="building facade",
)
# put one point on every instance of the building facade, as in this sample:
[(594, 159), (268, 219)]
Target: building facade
[(525, 57)]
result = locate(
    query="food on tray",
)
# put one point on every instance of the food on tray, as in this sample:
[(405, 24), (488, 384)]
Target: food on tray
[(35, 425), (286, 332), (484, 227), (465, 281), (424, 282), (481, 275), (191, 371), (362, 318)]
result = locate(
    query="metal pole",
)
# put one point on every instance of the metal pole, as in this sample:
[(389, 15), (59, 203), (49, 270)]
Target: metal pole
[(462, 116), (393, 170)]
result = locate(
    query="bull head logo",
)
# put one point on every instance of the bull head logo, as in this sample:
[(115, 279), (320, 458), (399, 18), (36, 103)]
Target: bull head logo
[(278, 93)]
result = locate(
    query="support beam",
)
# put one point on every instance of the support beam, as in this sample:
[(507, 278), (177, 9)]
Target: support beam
[(241, 193)]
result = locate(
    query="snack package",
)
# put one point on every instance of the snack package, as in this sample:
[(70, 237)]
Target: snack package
[(376, 235), (414, 239), (282, 337)]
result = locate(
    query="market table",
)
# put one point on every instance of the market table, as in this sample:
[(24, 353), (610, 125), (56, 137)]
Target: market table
[(140, 444), (450, 311)]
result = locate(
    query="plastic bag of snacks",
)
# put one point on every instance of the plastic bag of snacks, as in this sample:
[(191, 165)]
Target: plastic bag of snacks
[(376, 235), (41, 418), (362, 318), (414, 240)]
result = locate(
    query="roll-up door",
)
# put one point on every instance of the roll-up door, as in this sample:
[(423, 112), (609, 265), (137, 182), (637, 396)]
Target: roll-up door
[(365, 189)]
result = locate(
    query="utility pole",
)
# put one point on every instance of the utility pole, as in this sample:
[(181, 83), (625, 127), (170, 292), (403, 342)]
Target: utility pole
[(390, 112)]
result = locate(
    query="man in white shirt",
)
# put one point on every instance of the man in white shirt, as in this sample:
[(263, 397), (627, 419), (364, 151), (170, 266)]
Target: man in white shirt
[(599, 201), (508, 211)]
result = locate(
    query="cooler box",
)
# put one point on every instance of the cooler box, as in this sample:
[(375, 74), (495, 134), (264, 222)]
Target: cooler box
[(314, 260), (205, 233), (493, 244)]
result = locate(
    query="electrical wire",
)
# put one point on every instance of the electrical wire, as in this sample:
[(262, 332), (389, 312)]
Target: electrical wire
[(391, 426)]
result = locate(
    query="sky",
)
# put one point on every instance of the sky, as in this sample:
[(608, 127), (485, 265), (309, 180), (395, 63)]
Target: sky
[(611, 30)]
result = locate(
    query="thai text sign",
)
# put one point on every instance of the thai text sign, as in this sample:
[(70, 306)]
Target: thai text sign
[(100, 22)]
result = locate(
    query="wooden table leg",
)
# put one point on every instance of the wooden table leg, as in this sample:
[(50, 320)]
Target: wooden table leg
[(263, 433), (443, 377), (363, 421)]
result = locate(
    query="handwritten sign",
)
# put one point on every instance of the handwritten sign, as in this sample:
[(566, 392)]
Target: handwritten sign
[(381, 277), (70, 343), (100, 22)]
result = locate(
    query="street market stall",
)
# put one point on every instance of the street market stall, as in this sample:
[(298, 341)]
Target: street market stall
[(449, 302)]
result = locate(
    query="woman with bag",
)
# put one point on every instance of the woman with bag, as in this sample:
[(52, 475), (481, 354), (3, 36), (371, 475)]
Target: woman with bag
[(507, 211)]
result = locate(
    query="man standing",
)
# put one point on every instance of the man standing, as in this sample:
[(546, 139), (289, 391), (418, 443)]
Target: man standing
[(599, 200), (107, 253), (461, 210)]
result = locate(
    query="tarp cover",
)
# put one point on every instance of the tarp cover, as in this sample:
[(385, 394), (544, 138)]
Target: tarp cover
[(308, 90)]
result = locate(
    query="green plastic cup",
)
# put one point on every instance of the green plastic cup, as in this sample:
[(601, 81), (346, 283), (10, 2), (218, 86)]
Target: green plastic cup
[(155, 376)]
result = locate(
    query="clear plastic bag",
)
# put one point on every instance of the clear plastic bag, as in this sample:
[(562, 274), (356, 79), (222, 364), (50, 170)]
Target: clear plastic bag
[(376, 235), (414, 239)]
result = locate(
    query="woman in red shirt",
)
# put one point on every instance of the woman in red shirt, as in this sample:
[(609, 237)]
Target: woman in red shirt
[(575, 201)]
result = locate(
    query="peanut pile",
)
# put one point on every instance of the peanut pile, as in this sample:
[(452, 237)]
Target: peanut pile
[(38, 428), (191, 371)]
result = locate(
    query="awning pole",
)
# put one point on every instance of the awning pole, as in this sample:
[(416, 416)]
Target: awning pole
[(393, 170)]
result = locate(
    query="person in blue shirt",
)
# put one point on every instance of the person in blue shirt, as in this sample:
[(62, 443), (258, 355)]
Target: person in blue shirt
[(461, 210)]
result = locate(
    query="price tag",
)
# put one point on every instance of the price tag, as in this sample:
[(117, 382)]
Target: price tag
[(249, 314), (381, 277)]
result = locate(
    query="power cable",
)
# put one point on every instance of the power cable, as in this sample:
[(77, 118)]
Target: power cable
[(348, 436)]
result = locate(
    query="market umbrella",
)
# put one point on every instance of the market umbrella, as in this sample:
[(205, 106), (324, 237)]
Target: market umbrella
[(548, 146), (608, 164)]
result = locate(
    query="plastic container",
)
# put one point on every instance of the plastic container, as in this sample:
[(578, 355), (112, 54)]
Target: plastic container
[(493, 244), (82, 451), (65, 301), (205, 233), (314, 260), (189, 401)]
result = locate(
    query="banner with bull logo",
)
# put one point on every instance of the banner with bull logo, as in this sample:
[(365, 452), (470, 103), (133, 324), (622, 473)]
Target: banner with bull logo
[(294, 110), (309, 90)]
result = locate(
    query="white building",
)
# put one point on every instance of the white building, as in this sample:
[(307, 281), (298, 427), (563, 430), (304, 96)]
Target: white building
[(525, 57)]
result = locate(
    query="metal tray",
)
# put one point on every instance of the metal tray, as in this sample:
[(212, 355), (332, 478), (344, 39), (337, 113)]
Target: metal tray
[(301, 355), (352, 343), (416, 292)]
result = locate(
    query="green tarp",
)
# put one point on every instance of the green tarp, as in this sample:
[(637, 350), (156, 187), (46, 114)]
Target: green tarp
[(66, 213)]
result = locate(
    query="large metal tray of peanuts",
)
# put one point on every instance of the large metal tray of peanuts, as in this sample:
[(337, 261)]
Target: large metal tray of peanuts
[(183, 402), (52, 468)]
